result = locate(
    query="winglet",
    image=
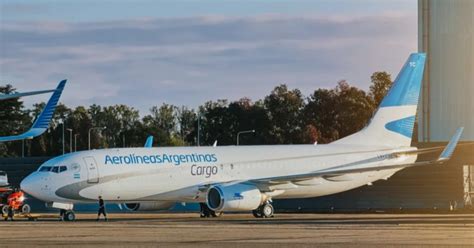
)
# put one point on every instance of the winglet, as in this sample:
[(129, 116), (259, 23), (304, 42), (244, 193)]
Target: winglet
[(149, 142), (449, 150), (45, 117)]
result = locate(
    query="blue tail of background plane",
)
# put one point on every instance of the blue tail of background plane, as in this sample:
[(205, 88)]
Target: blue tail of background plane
[(41, 123)]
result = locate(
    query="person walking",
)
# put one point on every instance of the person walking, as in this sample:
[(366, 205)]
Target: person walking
[(101, 209), (10, 213)]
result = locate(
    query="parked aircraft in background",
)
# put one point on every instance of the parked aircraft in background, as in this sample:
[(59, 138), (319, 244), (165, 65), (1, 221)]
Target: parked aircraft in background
[(42, 121), (243, 178)]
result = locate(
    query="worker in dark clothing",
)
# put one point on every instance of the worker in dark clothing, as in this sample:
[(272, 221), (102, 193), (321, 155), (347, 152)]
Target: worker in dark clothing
[(101, 209), (10, 214)]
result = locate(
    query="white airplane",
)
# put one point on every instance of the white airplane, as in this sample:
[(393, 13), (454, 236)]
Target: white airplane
[(41, 123), (242, 178)]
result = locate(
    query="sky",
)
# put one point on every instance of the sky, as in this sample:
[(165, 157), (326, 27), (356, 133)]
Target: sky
[(185, 52)]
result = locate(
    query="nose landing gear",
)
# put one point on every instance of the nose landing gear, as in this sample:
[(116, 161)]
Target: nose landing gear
[(67, 215)]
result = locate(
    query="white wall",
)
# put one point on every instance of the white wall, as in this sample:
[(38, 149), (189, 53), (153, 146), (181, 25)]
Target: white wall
[(446, 33)]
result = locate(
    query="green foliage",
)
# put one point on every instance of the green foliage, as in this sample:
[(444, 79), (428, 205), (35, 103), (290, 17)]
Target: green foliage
[(284, 116), (13, 120), (381, 83), (284, 110), (338, 112)]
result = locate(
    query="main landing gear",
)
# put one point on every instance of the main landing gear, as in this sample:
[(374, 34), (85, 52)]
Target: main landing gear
[(264, 211), (206, 212)]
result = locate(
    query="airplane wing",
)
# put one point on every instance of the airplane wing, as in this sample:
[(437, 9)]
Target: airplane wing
[(42, 121), (149, 142), (16, 95), (357, 168)]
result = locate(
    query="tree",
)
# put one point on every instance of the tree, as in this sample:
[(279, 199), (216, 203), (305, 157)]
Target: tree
[(338, 112), (216, 123), (320, 112), (284, 111), (353, 109), (381, 83), (282, 117), (187, 124), (13, 120), (162, 124)]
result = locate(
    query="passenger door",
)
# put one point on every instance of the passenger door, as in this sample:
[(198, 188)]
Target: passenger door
[(92, 170)]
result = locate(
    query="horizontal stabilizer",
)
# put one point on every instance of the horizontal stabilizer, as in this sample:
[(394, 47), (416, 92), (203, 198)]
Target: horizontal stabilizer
[(355, 167), (17, 95)]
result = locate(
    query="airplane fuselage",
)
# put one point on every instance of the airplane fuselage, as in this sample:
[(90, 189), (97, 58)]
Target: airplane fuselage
[(179, 174)]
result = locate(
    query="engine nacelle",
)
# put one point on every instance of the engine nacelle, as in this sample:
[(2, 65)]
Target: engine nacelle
[(149, 206), (236, 197)]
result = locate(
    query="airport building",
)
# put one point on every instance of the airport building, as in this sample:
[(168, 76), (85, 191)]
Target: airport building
[(446, 34)]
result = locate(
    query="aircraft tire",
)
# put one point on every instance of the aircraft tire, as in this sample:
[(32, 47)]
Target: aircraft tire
[(69, 216), (257, 213), (25, 209), (267, 210), (215, 214), (5, 210)]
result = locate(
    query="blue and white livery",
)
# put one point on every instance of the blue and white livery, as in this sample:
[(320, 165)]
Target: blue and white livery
[(242, 178)]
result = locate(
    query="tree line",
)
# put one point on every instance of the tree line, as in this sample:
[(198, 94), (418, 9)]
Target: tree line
[(285, 116)]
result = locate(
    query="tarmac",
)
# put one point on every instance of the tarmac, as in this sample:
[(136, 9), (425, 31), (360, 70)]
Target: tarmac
[(242, 230)]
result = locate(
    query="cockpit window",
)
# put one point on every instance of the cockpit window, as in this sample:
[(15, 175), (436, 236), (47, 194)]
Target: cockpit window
[(55, 169), (45, 168), (62, 168)]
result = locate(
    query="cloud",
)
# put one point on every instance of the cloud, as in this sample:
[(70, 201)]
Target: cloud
[(187, 61)]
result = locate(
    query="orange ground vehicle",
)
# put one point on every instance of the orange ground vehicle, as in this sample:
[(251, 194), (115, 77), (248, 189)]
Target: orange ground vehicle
[(14, 199), (11, 198)]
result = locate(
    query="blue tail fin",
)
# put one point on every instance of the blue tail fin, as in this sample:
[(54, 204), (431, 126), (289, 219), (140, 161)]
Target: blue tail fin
[(45, 117), (393, 123), (42, 121), (407, 86)]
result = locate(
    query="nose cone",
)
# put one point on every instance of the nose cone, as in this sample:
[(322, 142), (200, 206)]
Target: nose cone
[(28, 185)]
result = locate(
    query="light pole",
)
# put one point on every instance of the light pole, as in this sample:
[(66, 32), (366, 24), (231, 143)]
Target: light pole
[(70, 139), (242, 132), (89, 135), (23, 148), (62, 124), (75, 141), (199, 129)]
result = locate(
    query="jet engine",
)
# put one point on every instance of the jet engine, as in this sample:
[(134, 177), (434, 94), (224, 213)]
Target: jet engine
[(236, 197), (149, 206)]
